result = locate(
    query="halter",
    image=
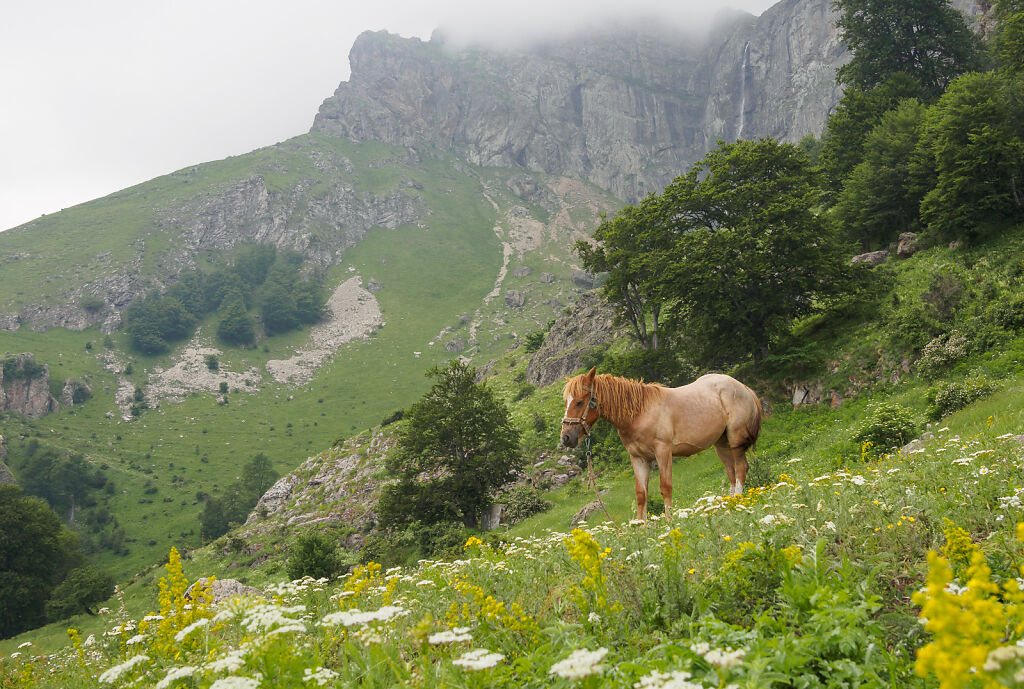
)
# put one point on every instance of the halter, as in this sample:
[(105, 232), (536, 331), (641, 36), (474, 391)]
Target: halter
[(582, 420)]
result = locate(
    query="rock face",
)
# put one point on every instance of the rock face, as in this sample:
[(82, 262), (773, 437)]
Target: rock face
[(589, 325), (871, 258), (25, 387), (626, 109)]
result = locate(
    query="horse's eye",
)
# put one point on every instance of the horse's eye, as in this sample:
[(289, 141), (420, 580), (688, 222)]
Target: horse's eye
[(579, 403)]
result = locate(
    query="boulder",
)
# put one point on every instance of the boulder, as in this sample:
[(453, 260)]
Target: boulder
[(585, 512), (490, 519), (515, 299), (871, 258), (907, 246), (224, 589), (583, 279), (547, 277), (521, 271)]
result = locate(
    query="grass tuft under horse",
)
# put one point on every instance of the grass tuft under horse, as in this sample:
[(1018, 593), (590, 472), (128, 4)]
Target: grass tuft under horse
[(656, 423)]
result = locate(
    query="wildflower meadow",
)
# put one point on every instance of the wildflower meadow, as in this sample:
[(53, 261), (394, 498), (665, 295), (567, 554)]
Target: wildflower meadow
[(902, 571)]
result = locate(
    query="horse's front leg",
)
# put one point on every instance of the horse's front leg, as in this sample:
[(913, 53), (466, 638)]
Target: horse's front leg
[(665, 481), (641, 472)]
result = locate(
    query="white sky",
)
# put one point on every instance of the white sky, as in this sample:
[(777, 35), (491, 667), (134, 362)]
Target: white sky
[(97, 96)]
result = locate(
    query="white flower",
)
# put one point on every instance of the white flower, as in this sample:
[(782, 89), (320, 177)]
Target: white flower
[(667, 680), (16, 654), (152, 618), (320, 675), (724, 658), (202, 622), (137, 639), (114, 673), (229, 663), (352, 618), (594, 618), (478, 659), (25, 644), (792, 461), (830, 525), (450, 636), (580, 663), (175, 673), (982, 471), (767, 520), (235, 683)]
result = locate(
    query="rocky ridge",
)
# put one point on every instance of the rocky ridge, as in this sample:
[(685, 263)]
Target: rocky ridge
[(626, 109)]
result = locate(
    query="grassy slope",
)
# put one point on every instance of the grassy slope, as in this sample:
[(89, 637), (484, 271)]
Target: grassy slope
[(430, 275), (804, 442)]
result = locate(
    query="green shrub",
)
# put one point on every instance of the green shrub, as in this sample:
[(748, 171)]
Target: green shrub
[(522, 502), (888, 425), (91, 303), (414, 542), (941, 353), (747, 582), (316, 555), (212, 362), (955, 395), (534, 340)]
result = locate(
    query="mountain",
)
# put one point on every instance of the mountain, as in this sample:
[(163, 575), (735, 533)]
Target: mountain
[(438, 192), (626, 109)]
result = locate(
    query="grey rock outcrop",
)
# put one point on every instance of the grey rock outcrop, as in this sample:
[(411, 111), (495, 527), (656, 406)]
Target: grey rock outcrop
[(627, 109), (515, 299), (871, 258), (25, 387), (591, 324), (908, 245), (223, 589)]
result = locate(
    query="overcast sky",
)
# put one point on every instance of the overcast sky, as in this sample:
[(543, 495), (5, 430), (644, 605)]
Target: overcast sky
[(98, 96)]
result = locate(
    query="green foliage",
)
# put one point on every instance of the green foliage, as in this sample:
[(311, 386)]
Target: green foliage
[(632, 248), (278, 309), (231, 507), (974, 140), (859, 111), (750, 253), (521, 502), (534, 340), (314, 555), (22, 367), (459, 445), (887, 425), (928, 40), (91, 303), (941, 353), (881, 198), (1009, 39), (212, 363), (36, 552), (954, 395), (394, 416), (154, 321), (746, 583), (413, 542), (236, 326), (80, 591)]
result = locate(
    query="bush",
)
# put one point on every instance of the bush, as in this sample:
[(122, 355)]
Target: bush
[(522, 502), (954, 396), (212, 362), (314, 555), (941, 352), (91, 304), (888, 425), (534, 340), (414, 542)]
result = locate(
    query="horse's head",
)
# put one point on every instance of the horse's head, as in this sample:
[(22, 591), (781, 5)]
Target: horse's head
[(581, 410)]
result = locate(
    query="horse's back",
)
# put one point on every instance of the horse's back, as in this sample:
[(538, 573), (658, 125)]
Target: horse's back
[(740, 406)]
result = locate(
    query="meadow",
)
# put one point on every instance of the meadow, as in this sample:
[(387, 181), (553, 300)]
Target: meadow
[(814, 579)]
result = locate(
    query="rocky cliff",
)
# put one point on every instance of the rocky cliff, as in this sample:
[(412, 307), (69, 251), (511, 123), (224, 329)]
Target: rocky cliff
[(25, 387), (626, 109)]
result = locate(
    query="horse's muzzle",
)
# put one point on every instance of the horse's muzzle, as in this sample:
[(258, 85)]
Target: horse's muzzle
[(570, 440)]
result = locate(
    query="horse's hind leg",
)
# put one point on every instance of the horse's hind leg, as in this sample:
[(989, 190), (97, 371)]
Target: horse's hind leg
[(728, 457), (665, 481), (641, 472)]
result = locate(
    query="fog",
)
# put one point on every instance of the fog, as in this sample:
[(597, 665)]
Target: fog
[(96, 97)]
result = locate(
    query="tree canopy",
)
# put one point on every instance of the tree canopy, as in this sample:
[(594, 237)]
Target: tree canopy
[(459, 446), (929, 40)]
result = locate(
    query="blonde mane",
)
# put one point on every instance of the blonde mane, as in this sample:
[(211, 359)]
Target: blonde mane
[(618, 399)]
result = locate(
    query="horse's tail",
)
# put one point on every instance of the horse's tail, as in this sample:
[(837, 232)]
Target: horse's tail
[(753, 423)]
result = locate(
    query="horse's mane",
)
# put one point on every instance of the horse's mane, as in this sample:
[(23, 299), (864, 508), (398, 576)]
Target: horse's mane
[(619, 399)]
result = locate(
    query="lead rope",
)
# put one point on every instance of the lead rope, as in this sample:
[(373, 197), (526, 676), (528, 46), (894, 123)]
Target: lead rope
[(592, 480)]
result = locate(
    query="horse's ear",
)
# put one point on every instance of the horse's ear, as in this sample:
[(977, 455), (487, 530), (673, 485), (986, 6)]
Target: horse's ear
[(591, 372)]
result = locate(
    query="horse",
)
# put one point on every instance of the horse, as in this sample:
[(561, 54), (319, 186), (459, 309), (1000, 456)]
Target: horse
[(656, 423)]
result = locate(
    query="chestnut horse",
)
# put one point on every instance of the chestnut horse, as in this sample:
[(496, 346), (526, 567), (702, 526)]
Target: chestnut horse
[(658, 423)]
